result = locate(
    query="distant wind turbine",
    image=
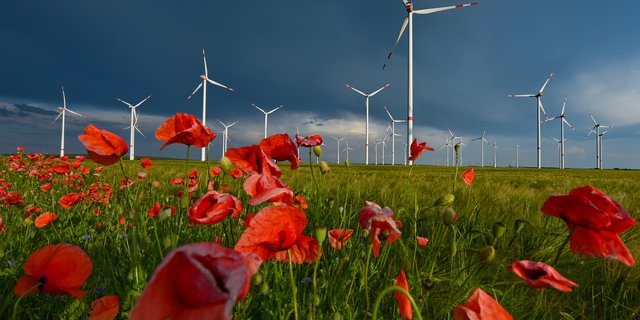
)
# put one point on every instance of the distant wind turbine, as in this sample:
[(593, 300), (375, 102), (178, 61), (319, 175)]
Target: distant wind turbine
[(559, 144), (538, 108), (203, 85), (453, 146), (495, 162), (225, 135), (338, 140), (133, 125), (563, 120), (393, 135), (596, 130), (63, 111), (266, 116), (347, 149), (482, 142), (366, 103)]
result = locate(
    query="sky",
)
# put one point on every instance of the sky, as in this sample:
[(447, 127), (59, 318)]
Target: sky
[(300, 54)]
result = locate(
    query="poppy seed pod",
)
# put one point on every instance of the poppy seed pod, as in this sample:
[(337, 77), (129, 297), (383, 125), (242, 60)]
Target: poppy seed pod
[(487, 253), (449, 216), (445, 200), (317, 150), (321, 234), (498, 230), (226, 165), (324, 167)]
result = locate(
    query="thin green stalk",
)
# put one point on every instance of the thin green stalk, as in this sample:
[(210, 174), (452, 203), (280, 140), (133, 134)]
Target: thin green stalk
[(315, 283), (403, 291), (365, 275), (15, 306), (294, 290), (311, 168), (564, 244)]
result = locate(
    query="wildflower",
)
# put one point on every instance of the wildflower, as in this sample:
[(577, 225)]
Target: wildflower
[(146, 163), (310, 141), (263, 188), (11, 262), (324, 167), (541, 275), (142, 175), (468, 176), (377, 220), (595, 221), (55, 269), (103, 147), (280, 148), (253, 159), (403, 302), (339, 237), (417, 149), (86, 237), (213, 207), (44, 219), (422, 242), (105, 308), (185, 129), (45, 187), (480, 306), (236, 173), (215, 171), (70, 199)]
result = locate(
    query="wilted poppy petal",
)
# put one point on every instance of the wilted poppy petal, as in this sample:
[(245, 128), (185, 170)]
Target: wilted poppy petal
[(600, 244), (105, 308), (480, 306), (339, 237), (541, 275), (406, 312)]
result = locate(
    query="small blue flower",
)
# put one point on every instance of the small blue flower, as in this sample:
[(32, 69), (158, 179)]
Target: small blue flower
[(123, 236), (306, 280), (86, 237), (100, 290), (12, 262)]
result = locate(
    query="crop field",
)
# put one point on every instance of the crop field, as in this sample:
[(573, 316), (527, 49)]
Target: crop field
[(498, 221)]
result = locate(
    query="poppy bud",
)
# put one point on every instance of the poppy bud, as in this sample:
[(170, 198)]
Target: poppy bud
[(449, 216), (257, 279), (498, 230), (324, 167), (321, 234), (445, 200), (226, 165), (264, 288), (487, 253), (317, 150), (347, 163)]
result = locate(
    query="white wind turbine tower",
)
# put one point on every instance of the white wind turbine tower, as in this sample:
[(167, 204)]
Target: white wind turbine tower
[(517, 155), (347, 149), (538, 108), (377, 141), (446, 146), (266, 116), (63, 111), (408, 22), (338, 140), (225, 134), (596, 130), (482, 142), (563, 120), (133, 125), (601, 153), (366, 130), (203, 85), (559, 144), (495, 162), (393, 135)]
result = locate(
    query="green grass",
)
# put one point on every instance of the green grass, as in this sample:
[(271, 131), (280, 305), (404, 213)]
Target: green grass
[(125, 257)]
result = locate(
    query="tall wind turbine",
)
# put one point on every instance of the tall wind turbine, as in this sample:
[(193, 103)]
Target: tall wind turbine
[(563, 120), (203, 85), (225, 134), (596, 130), (538, 108), (393, 135), (366, 130), (266, 116), (482, 142), (347, 149), (63, 111), (338, 140), (408, 22), (133, 125)]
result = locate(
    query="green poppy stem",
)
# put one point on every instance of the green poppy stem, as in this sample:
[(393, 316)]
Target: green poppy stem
[(403, 291), (365, 277), (315, 283), (294, 290), (564, 244), (15, 306), (311, 168)]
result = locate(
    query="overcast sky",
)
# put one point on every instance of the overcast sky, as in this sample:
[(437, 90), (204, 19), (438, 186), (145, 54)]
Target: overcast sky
[(301, 53)]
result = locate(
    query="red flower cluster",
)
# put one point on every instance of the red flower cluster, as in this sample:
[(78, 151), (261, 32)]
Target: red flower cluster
[(103, 147), (258, 158), (185, 129), (378, 221)]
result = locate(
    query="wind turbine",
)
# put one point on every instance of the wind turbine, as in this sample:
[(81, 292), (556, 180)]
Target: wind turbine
[(596, 130), (495, 162), (538, 108), (63, 111), (563, 120), (347, 149), (133, 125), (482, 142), (559, 144), (225, 134), (203, 85), (393, 134), (517, 155), (447, 144), (408, 22), (266, 116), (453, 144), (601, 153), (338, 140), (366, 103)]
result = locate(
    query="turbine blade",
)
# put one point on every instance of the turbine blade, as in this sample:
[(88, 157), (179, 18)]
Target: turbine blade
[(204, 58), (222, 123), (569, 124), (387, 110), (354, 89), (593, 119), (433, 10), (527, 95), (127, 103), (73, 112), (194, 91), (564, 104), (258, 108), (135, 127), (64, 98), (58, 117), (231, 125), (275, 109), (376, 92), (219, 85), (404, 26), (541, 107), (545, 83), (141, 102)]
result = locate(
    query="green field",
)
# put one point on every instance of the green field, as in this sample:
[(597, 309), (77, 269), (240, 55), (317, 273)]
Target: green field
[(440, 276)]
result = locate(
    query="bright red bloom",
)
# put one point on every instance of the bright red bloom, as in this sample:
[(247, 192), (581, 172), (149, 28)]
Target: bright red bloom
[(55, 269), (236, 173), (146, 163), (310, 141), (406, 312), (596, 221), (302, 203), (276, 229), (61, 169), (193, 174), (480, 306), (155, 210), (339, 237), (45, 187), (44, 219), (468, 176), (70, 199), (377, 221), (105, 308), (263, 188), (281, 148), (103, 147), (215, 171), (422, 242), (417, 149), (185, 129), (252, 159), (541, 275), (213, 207), (197, 281), (11, 198), (176, 181), (20, 149)]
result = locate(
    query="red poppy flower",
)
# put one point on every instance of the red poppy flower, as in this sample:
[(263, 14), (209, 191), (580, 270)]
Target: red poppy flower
[(1, 225), (176, 181), (61, 169), (215, 171), (422, 242), (121, 220), (252, 159), (105, 308), (417, 149), (236, 173), (595, 221), (378, 221), (45, 187), (468, 176), (404, 304), (193, 174), (142, 175), (263, 188), (20, 149), (541, 275), (44, 219), (11, 198), (185, 129), (70, 199), (310, 141), (197, 281), (281, 148), (339, 237), (302, 203), (103, 147), (55, 269), (146, 163), (80, 158), (276, 229), (213, 207), (480, 306), (156, 209)]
